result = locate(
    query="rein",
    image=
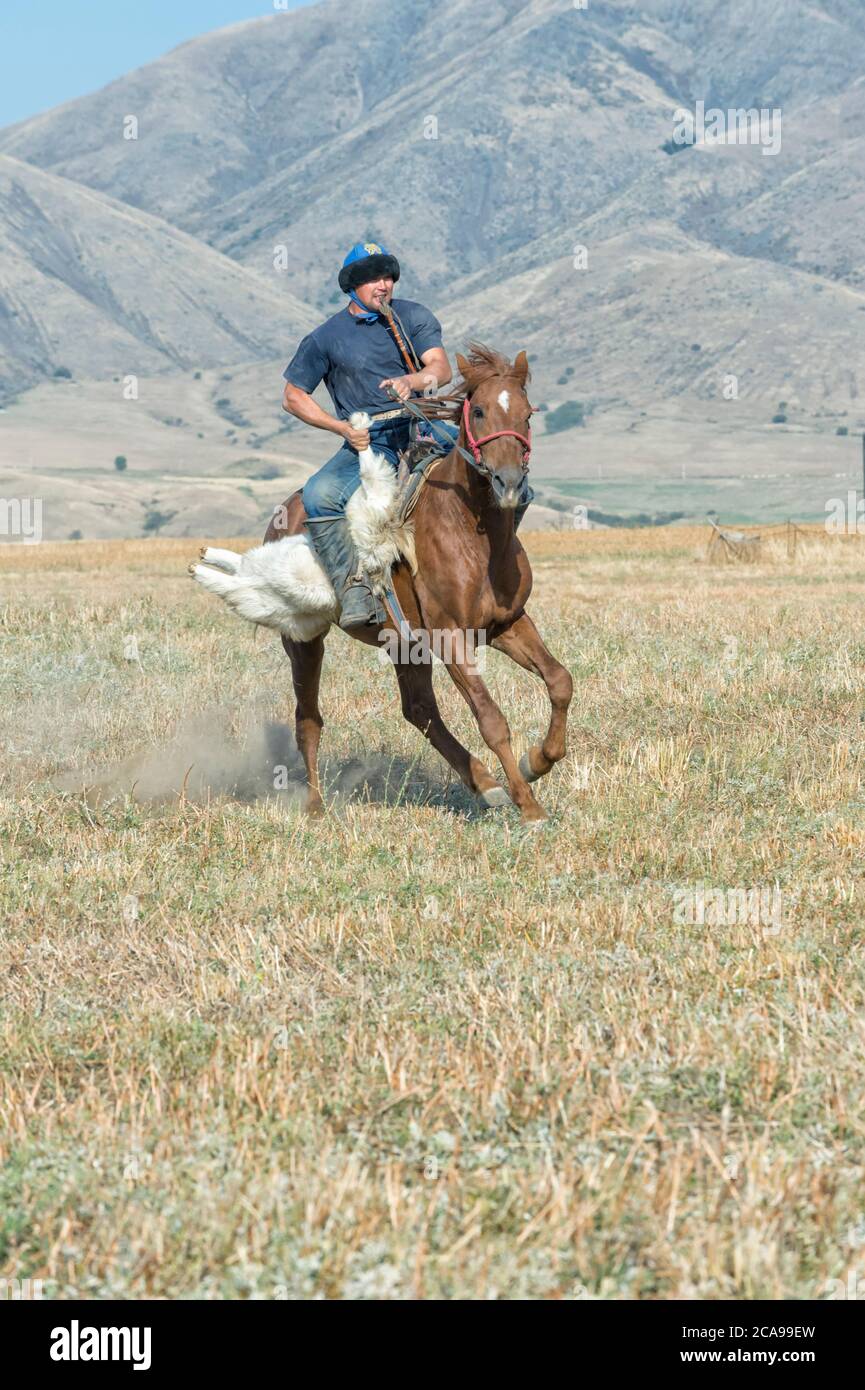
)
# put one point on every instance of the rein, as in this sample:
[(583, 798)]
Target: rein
[(437, 402), (475, 458)]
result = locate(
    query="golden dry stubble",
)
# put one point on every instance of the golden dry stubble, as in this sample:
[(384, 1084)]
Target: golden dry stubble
[(406, 1051)]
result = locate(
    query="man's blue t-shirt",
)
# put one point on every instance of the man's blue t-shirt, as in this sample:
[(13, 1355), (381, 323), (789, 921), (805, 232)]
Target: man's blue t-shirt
[(352, 356)]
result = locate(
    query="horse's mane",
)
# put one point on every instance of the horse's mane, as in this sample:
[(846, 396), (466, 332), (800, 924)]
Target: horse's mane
[(482, 363)]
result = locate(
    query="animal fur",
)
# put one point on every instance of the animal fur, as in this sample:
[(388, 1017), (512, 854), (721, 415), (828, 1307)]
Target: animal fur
[(372, 513), (283, 585)]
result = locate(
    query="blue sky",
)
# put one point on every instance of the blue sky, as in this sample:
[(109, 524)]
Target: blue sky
[(54, 50)]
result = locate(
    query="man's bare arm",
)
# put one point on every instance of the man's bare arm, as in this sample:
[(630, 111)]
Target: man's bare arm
[(303, 407), (435, 372)]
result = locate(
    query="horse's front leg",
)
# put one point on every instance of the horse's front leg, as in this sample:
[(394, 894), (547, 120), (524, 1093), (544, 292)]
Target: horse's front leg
[(497, 736), (523, 644), (420, 707)]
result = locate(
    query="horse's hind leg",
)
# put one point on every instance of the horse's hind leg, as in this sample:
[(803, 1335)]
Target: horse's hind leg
[(306, 659), (522, 643), (420, 707)]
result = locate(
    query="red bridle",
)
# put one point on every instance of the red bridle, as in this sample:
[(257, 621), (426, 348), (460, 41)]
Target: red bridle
[(475, 444)]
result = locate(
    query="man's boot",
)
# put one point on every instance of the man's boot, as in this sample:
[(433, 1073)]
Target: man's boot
[(334, 547)]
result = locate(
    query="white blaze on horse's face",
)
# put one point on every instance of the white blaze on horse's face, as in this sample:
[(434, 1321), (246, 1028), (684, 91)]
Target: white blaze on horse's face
[(500, 455)]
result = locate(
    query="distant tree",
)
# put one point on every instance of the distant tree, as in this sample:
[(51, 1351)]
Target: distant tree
[(63, 372), (155, 520), (75, 536), (120, 463), (565, 417), (779, 419), (842, 429)]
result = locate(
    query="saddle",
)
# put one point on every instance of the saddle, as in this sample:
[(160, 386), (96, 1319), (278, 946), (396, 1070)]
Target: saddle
[(411, 482), (416, 463)]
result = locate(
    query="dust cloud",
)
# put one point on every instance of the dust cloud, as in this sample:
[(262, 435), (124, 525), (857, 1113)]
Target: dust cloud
[(216, 755)]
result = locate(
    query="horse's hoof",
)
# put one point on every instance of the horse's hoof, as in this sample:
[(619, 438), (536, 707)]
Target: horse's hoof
[(494, 796), (526, 769), (202, 552), (190, 569)]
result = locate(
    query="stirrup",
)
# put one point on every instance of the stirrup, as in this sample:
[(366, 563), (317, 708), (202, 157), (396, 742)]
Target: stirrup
[(359, 606)]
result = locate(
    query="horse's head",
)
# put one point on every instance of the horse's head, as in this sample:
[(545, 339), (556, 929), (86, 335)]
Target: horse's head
[(495, 418)]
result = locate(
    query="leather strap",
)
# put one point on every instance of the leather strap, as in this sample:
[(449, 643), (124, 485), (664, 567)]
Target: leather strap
[(391, 319), (386, 415)]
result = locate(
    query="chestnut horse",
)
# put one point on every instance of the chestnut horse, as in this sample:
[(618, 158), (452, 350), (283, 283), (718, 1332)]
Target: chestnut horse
[(472, 576)]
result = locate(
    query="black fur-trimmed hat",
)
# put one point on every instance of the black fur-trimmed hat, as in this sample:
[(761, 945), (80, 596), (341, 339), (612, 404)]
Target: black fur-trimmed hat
[(366, 261)]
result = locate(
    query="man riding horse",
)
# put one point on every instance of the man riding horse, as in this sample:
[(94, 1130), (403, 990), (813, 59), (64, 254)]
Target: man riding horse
[(467, 575), (361, 354)]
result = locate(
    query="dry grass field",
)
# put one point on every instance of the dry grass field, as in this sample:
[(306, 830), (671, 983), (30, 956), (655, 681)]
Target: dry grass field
[(410, 1050)]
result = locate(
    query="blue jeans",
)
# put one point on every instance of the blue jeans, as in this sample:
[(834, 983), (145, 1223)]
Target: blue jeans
[(327, 492)]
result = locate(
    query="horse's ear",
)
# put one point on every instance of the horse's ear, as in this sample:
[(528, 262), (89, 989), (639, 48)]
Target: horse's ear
[(462, 364), (521, 368)]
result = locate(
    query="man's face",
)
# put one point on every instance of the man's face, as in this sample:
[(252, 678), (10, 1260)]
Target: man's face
[(374, 291)]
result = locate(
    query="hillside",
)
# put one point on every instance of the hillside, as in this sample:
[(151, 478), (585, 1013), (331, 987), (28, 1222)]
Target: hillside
[(100, 288), (487, 166)]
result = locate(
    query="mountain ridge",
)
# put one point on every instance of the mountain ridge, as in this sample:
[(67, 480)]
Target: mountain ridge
[(518, 159), (72, 295)]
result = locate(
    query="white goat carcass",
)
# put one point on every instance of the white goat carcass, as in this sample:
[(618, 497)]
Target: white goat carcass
[(283, 585)]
